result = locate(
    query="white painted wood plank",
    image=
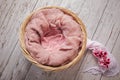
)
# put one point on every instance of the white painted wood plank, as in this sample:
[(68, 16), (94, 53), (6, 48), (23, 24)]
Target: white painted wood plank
[(109, 19), (91, 13), (113, 42), (17, 66), (106, 33), (5, 5), (115, 52), (9, 36), (92, 20)]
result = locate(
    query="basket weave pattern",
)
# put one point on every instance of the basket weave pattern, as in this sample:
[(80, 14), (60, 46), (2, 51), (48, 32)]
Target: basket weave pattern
[(49, 68)]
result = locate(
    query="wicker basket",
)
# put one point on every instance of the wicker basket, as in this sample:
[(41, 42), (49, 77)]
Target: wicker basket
[(49, 68)]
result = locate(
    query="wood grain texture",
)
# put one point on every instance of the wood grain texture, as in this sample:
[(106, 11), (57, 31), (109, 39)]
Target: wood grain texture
[(9, 36), (102, 20), (106, 33), (92, 19)]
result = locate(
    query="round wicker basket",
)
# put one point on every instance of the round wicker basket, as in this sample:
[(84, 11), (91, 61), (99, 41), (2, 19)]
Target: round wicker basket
[(49, 68)]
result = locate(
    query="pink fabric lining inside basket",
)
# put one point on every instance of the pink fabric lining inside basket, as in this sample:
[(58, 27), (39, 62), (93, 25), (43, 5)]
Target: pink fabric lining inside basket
[(52, 37)]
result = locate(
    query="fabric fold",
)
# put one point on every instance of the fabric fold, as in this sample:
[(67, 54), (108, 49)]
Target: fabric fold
[(107, 64)]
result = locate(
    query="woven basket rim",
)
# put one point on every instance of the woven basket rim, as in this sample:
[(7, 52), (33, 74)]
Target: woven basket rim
[(49, 68)]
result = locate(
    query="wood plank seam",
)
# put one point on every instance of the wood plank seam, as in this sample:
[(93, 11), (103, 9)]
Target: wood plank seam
[(96, 29), (110, 34), (107, 43), (81, 7), (112, 49), (116, 40), (9, 58), (13, 48), (22, 55), (2, 26), (27, 71), (7, 13), (100, 19), (31, 64), (85, 58)]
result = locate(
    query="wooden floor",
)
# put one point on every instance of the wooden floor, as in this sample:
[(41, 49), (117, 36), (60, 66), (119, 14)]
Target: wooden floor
[(102, 21)]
